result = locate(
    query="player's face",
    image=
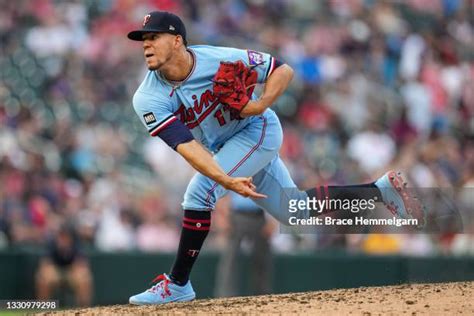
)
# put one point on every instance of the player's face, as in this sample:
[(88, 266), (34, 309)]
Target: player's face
[(158, 49)]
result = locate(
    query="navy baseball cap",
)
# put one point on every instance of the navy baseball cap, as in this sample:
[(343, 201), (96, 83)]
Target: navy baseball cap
[(160, 22)]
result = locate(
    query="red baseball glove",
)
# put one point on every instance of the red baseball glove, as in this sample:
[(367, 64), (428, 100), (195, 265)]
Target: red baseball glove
[(234, 83)]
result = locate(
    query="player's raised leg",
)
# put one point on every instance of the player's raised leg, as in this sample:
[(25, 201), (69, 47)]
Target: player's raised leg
[(398, 198), (275, 181)]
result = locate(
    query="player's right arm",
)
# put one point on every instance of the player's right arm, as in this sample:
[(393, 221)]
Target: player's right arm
[(157, 116), (201, 160)]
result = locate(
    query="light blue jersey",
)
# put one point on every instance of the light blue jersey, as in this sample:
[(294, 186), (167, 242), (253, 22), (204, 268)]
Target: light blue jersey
[(241, 147), (159, 102)]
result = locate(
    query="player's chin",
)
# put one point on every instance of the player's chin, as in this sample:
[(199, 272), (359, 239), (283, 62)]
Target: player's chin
[(152, 65)]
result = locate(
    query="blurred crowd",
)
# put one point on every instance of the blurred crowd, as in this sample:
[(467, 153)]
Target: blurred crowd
[(378, 85)]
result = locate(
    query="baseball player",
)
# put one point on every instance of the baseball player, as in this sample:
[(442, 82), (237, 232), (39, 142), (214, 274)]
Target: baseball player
[(199, 100)]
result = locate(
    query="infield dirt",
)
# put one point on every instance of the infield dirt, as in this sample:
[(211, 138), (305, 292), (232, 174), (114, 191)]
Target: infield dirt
[(410, 299)]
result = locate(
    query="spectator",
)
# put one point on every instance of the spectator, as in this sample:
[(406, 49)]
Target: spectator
[(64, 264)]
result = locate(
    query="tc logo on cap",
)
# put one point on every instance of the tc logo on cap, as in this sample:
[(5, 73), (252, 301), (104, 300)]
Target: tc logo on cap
[(146, 19)]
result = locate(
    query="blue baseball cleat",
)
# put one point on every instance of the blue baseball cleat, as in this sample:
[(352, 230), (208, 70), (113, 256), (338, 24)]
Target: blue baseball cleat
[(164, 292), (397, 199)]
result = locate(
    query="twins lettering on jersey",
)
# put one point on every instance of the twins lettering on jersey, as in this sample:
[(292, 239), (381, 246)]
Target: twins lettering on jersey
[(193, 116), (201, 109)]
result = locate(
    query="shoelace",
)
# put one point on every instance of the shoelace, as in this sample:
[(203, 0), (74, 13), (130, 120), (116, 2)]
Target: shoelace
[(163, 282)]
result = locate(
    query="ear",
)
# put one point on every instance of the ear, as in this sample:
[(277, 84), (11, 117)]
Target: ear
[(178, 41)]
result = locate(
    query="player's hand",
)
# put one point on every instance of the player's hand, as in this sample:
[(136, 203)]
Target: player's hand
[(244, 187), (252, 108)]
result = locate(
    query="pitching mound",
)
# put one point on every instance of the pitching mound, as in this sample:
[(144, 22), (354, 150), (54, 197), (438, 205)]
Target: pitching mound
[(414, 299)]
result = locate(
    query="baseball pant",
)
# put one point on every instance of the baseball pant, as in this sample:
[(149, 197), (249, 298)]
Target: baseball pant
[(253, 151)]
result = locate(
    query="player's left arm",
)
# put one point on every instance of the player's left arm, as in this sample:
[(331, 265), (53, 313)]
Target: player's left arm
[(274, 87)]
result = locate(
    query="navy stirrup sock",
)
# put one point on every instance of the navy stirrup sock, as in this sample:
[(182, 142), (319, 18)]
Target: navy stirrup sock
[(366, 191), (196, 225)]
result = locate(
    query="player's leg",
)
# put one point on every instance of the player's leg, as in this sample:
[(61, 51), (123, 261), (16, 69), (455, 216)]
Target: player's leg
[(275, 181), (245, 154), (390, 189), (398, 199)]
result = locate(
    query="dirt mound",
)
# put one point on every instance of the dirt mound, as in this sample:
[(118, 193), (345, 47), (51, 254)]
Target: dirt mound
[(409, 299)]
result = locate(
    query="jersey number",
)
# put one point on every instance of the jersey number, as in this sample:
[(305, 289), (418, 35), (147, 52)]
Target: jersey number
[(219, 115)]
